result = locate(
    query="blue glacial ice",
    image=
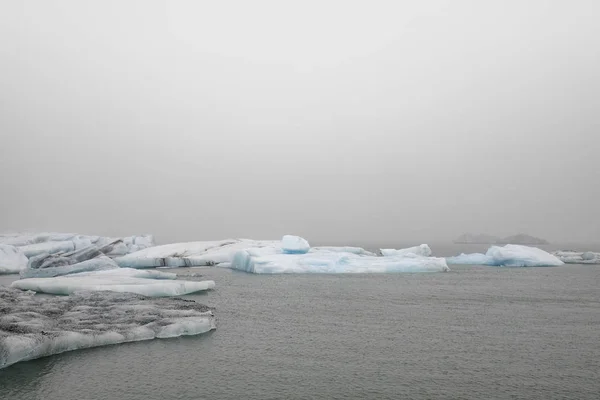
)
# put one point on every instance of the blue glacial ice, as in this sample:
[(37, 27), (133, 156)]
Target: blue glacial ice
[(294, 245), (422, 250), (33, 327), (511, 255), (12, 260), (150, 283)]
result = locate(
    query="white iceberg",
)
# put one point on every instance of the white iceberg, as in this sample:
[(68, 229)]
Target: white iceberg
[(12, 260), (576, 257), (192, 254), (33, 327), (511, 255), (294, 245), (269, 261), (422, 250), (147, 283)]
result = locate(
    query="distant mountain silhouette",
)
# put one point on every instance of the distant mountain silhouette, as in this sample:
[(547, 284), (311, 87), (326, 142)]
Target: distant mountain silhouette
[(520, 238)]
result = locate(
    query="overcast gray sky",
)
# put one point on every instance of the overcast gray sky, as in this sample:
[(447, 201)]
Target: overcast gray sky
[(336, 120)]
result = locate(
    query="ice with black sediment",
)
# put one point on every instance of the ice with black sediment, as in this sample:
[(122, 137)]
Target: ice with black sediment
[(33, 327)]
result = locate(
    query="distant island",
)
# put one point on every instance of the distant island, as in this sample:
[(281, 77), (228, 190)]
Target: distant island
[(520, 238)]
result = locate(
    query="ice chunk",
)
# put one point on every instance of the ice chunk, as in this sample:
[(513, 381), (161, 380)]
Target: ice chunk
[(422, 250), (192, 254), (33, 327), (12, 260), (32, 250), (294, 245), (147, 283), (264, 261), (511, 255), (36, 243), (576, 257), (95, 264)]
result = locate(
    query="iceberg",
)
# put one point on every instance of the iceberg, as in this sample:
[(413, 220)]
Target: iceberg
[(422, 250), (576, 257), (95, 264), (34, 244), (269, 261), (12, 260), (511, 255), (33, 327), (90, 258), (192, 254), (147, 283), (294, 245)]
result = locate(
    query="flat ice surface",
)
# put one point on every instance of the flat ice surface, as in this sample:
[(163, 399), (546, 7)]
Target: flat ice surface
[(12, 260), (191, 254), (148, 283), (342, 249), (511, 255), (294, 245), (422, 250), (576, 257), (33, 327), (266, 261)]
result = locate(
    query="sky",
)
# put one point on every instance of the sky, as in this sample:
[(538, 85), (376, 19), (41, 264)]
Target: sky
[(335, 120)]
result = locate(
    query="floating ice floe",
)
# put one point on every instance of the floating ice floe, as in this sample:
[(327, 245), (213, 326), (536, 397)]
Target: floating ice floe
[(147, 283), (267, 261), (12, 260), (575, 257), (33, 327), (511, 255), (422, 250), (192, 254)]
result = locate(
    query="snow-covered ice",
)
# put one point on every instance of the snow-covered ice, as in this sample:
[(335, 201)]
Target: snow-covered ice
[(145, 282), (191, 254), (33, 327), (12, 260), (422, 250), (576, 257), (265, 261), (511, 255), (294, 245)]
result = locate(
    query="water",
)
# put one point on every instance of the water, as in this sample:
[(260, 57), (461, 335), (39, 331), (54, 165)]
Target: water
[(473, 333)]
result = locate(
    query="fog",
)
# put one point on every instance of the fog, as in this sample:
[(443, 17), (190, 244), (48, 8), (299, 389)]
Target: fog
[(335, 120)]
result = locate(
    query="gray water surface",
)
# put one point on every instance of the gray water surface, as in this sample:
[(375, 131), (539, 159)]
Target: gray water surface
[(473, 333)]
